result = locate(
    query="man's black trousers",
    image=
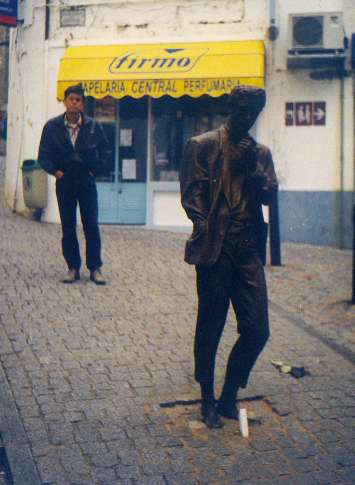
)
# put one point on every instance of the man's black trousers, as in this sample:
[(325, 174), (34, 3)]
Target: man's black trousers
[(240, 279), (71, 192)]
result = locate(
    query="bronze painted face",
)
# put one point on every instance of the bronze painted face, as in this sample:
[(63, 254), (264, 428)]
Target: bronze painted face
[(243, 117), (245, 104)]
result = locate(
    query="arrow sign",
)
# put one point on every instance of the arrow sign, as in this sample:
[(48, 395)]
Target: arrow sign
[(319, 113), (305, 113)]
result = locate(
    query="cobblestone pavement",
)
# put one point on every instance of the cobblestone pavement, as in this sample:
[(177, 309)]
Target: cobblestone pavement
[(85, 368)]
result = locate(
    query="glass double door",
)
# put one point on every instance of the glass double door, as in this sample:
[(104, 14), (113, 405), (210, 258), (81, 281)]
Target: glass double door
[(122, 185)]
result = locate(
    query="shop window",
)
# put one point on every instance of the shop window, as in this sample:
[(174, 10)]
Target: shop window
[(104, 111), (128, 138), (174, 122), (132, 140)]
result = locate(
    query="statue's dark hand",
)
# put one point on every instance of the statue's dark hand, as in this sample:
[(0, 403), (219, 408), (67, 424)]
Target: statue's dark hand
[(243, 156), (246, 144)]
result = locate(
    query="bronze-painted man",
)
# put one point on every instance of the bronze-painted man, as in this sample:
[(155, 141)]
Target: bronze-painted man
[(225, 178)]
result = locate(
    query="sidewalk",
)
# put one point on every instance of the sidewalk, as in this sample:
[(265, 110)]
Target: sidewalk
[(85, 368)]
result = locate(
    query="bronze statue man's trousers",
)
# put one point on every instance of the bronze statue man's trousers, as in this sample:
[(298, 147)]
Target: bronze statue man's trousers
[(238, 276)]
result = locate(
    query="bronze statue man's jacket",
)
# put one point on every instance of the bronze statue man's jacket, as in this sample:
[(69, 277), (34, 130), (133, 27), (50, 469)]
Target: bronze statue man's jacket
[(205, 181)]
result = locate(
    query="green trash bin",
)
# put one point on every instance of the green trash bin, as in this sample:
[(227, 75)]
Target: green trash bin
[(35, 185)]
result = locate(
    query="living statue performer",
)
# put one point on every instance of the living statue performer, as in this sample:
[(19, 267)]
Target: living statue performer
[(225, 178)]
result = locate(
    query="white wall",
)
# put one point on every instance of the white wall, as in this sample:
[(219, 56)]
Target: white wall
[(167, 210), (155, 21), (27, 101), (308, 158)]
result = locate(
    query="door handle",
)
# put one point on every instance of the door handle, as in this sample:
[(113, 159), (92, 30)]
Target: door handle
[(119, 191)]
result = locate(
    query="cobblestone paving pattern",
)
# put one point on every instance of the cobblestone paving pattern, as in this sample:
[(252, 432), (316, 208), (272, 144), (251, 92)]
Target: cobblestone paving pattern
[(89, 366)]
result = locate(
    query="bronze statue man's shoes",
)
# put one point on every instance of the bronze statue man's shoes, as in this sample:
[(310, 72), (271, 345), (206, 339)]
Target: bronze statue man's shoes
[(97, 278), (210, 416), (227, 409), (72, 276)]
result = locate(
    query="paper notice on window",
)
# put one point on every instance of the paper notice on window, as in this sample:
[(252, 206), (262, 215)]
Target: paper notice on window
[(129, 169), (126, 137)]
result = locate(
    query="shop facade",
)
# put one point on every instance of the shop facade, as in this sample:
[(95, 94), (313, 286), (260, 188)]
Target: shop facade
[(150, 99), (156, 73)]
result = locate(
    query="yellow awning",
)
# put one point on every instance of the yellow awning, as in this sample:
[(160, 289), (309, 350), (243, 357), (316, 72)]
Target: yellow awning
[(192, 69)]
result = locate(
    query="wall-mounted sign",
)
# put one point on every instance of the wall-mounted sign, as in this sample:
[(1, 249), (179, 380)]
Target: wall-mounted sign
[(289, 114), (8, 12), (319, 112), (306, 113), (303, 114), (72, 17)]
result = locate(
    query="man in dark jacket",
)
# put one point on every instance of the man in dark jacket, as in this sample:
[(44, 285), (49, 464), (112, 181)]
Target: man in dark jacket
[(225, 178), (73, 148)]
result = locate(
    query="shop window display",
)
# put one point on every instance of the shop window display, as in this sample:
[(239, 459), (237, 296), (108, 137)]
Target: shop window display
[(176, 120), (133, 139)]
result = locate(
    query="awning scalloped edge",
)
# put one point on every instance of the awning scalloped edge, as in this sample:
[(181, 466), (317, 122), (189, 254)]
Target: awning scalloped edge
[(175, 88)]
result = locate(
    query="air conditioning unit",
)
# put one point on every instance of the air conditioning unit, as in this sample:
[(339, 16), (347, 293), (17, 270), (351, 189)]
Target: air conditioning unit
[(316, 32), (315, 39)]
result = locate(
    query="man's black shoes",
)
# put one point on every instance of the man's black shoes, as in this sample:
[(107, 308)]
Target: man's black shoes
[(72, 276), (97, 278), (211, 412), (210, 416), (227, 409)]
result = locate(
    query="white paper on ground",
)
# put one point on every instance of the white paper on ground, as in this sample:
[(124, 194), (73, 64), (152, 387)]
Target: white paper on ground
[(243, 423)]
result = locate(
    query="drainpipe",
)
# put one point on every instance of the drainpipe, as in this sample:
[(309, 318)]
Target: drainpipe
[(47, 21), (273, 31)]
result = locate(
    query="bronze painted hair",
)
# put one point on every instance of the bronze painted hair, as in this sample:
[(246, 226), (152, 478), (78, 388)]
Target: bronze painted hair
[(256, 96)]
